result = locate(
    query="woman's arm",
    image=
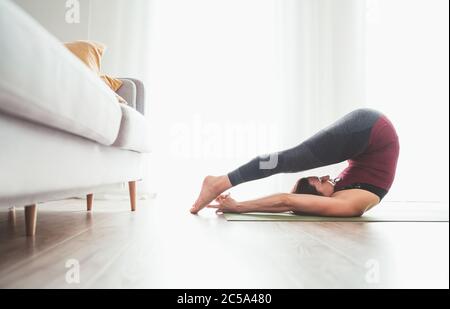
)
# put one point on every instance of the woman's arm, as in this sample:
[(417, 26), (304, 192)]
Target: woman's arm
[(274, 203), (327, 206), (297, 203)]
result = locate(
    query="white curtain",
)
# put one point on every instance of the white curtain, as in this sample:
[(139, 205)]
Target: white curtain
[(123, 26), (323, 67), (230, 79)]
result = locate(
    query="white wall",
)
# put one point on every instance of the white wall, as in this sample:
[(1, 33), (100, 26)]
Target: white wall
[(52, 15)]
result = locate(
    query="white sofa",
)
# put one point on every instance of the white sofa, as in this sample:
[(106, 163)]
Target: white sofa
[(62, 131)]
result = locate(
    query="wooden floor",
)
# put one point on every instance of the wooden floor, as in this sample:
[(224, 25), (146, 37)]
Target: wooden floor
[(163, 246)]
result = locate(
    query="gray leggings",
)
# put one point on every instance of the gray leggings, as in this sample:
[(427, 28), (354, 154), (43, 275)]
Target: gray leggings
[(343, 140)]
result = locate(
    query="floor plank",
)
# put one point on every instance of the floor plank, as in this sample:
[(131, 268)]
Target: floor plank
[(163, 246)]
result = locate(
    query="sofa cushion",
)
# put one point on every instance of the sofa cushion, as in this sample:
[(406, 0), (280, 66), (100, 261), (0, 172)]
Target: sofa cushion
[(43, 82), (50, 164), (134, 131)]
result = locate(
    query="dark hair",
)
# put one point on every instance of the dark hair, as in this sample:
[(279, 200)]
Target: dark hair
[(303, 187)]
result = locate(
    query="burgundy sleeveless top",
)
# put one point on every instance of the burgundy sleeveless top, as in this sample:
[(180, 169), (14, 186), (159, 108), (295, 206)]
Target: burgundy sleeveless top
[(374, 169)]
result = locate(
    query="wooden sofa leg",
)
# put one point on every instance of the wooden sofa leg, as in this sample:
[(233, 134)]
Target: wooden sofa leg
[(12, 216), (89, 199), (30, 220), (132, 189)]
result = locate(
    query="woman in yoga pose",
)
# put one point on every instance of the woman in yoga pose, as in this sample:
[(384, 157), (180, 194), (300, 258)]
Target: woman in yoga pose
[(365, 138)]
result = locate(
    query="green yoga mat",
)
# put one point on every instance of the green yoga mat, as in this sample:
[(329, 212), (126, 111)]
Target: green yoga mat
[(386, 216)]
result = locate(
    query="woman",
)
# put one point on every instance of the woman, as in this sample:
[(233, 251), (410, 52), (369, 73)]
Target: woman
[(365, 137)]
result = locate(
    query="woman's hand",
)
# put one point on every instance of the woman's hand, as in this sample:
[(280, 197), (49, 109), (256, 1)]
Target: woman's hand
[(226, 205)]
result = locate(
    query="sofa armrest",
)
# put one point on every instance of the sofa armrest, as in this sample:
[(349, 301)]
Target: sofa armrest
[(133, 91), (128, 91)]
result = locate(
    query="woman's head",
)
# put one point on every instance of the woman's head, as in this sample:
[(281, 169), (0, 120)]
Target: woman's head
[(322, 186)]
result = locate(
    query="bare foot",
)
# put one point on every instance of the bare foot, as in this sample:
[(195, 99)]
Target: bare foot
[(211, 189)]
